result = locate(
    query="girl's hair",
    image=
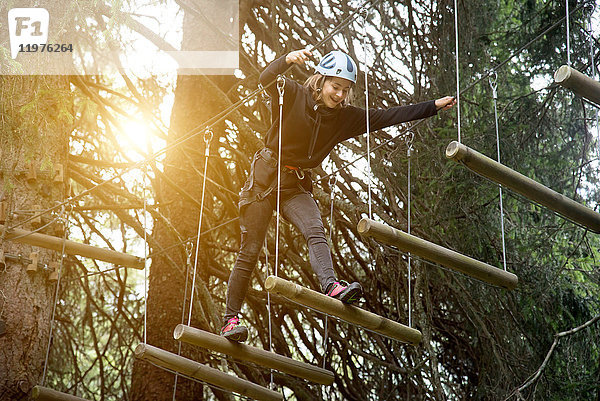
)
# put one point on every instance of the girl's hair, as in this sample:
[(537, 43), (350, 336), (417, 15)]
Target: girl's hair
[(315, 83)]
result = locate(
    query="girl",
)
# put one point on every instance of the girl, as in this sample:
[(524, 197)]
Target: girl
[(316, 117)]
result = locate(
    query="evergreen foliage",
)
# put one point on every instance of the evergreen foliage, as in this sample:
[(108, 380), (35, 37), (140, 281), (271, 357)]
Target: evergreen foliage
[(479, 342)]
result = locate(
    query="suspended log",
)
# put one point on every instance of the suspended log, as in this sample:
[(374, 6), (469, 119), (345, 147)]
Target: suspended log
[(579, 83), (525, 186), (348, 313), (73, 248), (46, 394), (196, 370), (443, 256), (259, 356)]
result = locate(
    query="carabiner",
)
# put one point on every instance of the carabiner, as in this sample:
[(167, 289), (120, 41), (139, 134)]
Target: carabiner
[(410, 137), (188, 251), (332, 180), (208, 136), (280, 87), (493, 83)]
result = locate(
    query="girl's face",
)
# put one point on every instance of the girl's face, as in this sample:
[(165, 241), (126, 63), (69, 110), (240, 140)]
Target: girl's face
[(335, 90)]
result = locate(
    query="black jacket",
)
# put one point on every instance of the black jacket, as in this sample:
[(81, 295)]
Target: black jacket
[(310, 132)]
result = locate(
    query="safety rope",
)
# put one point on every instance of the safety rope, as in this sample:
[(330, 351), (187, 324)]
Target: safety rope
[(457, 66), (65, 215), (145, 255), (409, 149), (368, 125), (593, 63), (208, 124), (280, 91), (190, 239), (568, 33), (266, 247), (189, 247), (520, 49), (223, 114), (494, 86), (208, 136), (332, 185), (468, 88)]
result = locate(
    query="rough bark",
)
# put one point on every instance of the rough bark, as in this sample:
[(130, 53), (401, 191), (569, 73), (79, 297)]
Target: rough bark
[(26, 299)]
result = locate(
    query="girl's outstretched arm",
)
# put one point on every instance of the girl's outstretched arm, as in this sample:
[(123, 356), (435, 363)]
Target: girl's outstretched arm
[(445, 103)]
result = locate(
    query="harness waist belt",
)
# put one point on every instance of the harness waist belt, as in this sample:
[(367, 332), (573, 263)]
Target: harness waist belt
[(269, 156)]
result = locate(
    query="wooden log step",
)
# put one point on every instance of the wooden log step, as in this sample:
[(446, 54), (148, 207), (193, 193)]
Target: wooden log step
[(523, 185), (74, 248), (579, 83), (436, 253), (198, 371), (259, 356), (348, 313), (39, 393)]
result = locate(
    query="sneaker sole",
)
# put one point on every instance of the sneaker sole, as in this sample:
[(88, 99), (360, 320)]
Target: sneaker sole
[(237, 337), (352, 296)]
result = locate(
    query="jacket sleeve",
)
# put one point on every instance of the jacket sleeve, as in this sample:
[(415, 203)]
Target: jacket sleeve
[(269, 75), (382, 118)]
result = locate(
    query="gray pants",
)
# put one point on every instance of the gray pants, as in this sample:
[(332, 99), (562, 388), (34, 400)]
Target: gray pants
[(301, 210)]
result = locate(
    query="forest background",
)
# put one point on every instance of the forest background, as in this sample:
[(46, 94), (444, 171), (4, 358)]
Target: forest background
[(479, 342)]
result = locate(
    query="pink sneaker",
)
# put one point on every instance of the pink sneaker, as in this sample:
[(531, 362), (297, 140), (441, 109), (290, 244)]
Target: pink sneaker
[(234, 331), (347, 293)]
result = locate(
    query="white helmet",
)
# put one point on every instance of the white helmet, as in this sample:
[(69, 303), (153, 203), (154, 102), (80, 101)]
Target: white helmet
[(337, 64)]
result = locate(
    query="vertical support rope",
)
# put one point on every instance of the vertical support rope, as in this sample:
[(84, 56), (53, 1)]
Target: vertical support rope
[(64, 216), (208, 135), (368, 125), (593, 63), (332, 184), (280, 91), (494, 85), (272, 383), (568, 34), (145, 256), (268, 293), (409, 274), (189, 247), (457, 67)]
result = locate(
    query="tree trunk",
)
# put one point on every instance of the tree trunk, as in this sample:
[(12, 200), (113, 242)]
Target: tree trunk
[(26, 298), (195, 102)]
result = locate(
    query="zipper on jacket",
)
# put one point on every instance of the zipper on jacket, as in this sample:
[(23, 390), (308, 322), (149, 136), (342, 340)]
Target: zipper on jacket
[(315, 132)]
